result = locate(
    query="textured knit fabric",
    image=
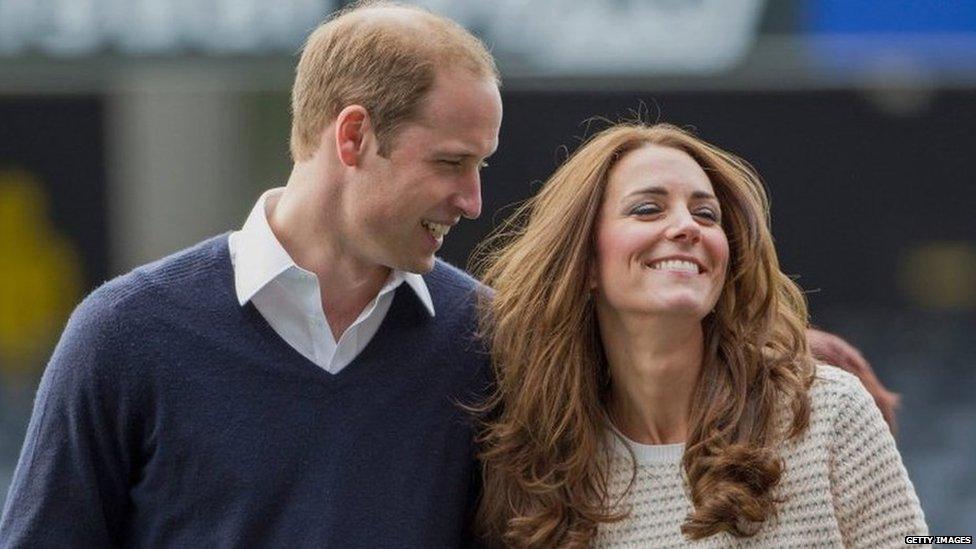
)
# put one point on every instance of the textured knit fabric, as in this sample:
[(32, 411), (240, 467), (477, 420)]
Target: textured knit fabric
[(170, 416), (843, 485)]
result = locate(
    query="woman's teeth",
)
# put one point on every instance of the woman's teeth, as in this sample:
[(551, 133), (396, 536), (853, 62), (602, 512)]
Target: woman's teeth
[(675, 265), (436, 229)]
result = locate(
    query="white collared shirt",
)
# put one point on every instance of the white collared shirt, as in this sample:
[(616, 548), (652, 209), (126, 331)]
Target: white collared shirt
[(288, 296)]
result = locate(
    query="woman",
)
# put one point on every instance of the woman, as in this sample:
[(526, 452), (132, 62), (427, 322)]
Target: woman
[(654, 385)]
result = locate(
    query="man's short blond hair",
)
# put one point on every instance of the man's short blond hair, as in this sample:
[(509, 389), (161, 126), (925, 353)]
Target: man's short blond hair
[(383, 56)]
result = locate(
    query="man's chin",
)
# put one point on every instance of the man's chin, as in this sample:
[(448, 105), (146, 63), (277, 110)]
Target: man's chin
[(419, 266)]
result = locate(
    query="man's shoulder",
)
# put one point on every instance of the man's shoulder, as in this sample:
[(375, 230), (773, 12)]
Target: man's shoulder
[(188, 262), (451, 278), (453, 289), (146, 285)]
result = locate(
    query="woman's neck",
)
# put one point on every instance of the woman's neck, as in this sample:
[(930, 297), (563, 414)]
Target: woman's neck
[(654, 365)]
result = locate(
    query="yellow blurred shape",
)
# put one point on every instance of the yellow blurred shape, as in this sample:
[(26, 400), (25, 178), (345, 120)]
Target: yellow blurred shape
[(40, 279), (941, 275)]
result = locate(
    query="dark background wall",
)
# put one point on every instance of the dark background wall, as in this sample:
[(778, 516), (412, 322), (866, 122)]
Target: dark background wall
[(59, 141)]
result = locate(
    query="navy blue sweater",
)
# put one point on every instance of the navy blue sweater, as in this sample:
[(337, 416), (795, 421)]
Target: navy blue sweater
[(171, 416)]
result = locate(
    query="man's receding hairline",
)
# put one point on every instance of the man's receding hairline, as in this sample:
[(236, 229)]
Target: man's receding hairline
[(442, 74), (419, 24), (405, 17)]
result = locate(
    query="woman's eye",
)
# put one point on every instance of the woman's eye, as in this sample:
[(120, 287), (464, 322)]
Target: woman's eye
[(709, 214), (645, 209)]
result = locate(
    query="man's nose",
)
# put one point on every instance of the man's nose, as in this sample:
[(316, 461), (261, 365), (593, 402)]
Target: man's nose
[(468, 199)]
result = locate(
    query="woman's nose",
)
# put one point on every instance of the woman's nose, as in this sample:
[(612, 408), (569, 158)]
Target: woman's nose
[(684, 228)]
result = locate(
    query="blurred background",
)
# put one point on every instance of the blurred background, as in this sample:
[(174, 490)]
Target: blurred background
[(130, 129)]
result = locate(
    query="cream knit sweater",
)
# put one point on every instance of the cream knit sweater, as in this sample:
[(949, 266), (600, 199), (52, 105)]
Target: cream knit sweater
[(844, 483)]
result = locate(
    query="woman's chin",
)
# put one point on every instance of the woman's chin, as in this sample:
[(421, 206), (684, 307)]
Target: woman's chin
[(681, 310)]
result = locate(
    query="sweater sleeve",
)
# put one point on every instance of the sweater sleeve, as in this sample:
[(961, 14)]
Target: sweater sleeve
[(874, 500), (71, 482)]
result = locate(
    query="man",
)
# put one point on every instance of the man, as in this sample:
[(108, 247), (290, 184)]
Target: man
[(296, 382)]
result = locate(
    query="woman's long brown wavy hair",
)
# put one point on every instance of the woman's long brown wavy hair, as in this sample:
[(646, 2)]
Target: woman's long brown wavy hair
[(544, 442)]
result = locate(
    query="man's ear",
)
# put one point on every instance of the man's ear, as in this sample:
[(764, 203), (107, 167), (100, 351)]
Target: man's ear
[(351, 126)]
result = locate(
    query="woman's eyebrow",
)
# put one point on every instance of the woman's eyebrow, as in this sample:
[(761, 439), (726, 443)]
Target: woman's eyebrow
[(661, 191), (703, 194), (648, 190)]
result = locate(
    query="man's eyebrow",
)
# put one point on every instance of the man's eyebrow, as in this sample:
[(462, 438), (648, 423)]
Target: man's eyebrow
[(661, 191), (462, 154)]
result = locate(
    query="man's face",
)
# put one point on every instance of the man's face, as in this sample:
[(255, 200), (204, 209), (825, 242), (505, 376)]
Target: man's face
[(401, 206)]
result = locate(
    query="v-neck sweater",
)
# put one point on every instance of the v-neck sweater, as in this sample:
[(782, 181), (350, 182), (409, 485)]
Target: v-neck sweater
[(169, 415)]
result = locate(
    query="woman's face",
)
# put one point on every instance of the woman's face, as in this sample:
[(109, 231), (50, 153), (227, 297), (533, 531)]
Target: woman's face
[(660, 247)]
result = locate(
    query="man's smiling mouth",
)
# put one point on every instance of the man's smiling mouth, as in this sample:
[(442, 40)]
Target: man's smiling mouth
[(436, 229)]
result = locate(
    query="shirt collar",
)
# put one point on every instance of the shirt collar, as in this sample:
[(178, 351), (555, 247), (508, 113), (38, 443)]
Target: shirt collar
[(260, 258), (416, 282)]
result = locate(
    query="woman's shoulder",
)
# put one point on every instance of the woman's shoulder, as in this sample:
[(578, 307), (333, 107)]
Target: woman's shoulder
[(831, 380), (842, 414), (833, 386), (838, 399)]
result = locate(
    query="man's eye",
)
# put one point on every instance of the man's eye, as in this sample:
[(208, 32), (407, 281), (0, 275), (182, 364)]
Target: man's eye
[(483, 165), (450, 163)]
